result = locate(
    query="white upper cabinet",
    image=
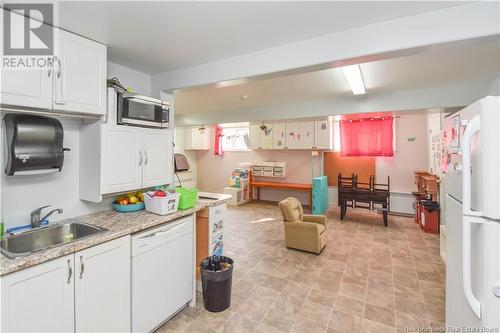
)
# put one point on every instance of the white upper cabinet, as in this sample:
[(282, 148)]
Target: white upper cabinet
[(75, 83), (293, 136), (196, 138), (116, 158), (39, 298), (279, 137), (255, 137), (158, 162), (102, 287), (266, 136), (307, 134), (80, 74), (261, 136), (323, 134), (122, 158), (27, 88)]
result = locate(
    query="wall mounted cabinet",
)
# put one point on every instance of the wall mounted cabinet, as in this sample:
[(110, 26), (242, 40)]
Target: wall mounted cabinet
[(76, 83), (323, 134), (309, 134), (279, 139), (117, 158), (87, 291), (261, 137), (79, 75), (196, 138)]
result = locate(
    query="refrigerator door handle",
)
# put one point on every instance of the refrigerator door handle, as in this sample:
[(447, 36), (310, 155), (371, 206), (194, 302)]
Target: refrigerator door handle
[(472, 128), (474, 303)]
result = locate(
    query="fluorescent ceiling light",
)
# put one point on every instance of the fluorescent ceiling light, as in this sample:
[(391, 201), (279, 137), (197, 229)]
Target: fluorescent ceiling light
[(353, 76)]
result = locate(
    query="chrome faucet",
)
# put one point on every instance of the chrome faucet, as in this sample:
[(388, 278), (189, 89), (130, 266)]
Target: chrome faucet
[(35, 215)]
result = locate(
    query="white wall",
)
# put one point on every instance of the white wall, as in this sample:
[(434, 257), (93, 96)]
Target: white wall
[(21, 194), (130, 78), (495, 87), (188, 178), (409, 155)]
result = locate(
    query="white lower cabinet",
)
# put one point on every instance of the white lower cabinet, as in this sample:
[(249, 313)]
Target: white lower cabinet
[(102, 287), (88, 291), (39, 298)]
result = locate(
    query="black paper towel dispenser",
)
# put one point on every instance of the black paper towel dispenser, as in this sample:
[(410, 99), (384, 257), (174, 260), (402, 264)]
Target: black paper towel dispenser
[(34, 144)]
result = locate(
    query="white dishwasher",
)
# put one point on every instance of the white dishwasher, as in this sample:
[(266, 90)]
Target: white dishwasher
[(162, 273)]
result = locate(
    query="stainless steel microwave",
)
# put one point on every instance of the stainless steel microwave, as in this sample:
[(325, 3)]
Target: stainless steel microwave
[(143, 111)]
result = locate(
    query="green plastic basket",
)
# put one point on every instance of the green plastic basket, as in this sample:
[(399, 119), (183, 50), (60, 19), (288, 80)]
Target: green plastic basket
[(188, 197)]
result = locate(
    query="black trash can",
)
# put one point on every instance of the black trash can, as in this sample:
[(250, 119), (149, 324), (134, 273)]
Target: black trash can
[(216, 282)]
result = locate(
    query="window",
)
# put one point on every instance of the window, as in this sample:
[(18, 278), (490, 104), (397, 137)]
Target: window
[(235, 138)]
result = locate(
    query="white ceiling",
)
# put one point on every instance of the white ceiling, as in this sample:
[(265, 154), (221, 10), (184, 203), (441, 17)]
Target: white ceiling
[(154, 37), (450, 64)]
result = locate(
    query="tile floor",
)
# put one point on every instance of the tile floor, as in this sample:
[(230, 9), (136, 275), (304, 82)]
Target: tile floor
[(369, 278)]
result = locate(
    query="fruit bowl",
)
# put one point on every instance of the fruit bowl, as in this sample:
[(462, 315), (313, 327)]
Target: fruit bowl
[(128, 208)]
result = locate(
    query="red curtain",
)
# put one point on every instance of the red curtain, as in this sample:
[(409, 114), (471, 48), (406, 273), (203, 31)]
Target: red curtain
[(366, 137), (218, 141)]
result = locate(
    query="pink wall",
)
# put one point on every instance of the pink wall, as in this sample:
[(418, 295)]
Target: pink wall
[(213, 172)]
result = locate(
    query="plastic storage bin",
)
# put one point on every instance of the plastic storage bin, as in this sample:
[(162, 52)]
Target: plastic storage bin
[(162, 205), (187, 198)]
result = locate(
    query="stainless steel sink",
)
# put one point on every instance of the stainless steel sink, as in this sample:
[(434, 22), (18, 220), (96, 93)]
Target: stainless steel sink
[(23, 244)]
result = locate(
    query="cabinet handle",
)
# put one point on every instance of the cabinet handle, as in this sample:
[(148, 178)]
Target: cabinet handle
[(70, 271), (146, 156), (59, 67), (57, 100), (140, 157), (82, 267)]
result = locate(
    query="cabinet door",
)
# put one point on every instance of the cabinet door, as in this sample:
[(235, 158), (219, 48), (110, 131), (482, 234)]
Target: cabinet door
[(121, 158), (307, 134), (266, 136), (201, 138), (255, 137), (293, 135), (188, 137), (80, 74), (279, 138), (322, 134), (39, 298), (102, 287), (158, 166), (27, 88)]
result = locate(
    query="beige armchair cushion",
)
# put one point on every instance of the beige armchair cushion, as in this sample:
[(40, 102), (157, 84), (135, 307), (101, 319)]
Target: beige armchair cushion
[(302, 231)]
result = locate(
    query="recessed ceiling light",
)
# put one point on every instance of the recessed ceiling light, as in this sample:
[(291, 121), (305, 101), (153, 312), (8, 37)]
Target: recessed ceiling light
[(353, 76), (243, 97)]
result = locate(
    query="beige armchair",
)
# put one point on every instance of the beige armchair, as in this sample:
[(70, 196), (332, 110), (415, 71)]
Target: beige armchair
[(302, 231)]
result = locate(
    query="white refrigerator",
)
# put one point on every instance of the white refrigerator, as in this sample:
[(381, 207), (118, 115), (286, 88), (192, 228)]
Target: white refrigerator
[(472, 215)]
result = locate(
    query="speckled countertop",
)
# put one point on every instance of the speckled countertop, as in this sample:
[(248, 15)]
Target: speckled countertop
[(118, 225)]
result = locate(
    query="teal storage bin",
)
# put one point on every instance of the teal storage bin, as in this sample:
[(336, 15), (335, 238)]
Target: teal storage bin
[(319, 195)]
